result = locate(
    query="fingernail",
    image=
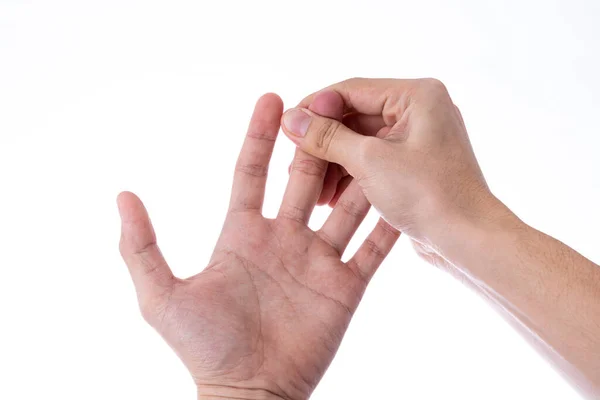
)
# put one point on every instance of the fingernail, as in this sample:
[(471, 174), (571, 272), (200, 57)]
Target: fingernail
[(296, 121)]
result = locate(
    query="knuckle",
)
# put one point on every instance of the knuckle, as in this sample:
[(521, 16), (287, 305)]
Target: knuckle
[(315, 168), (148, 311), (352, 208), (255, 170), (326, 134), (243, 207), (374, 248), (327, 239), (387, 229), (153, 306), (369, 148), (261, 135), (357, 270), (147, 314), (354, 81), (434, 86), (293, 214)]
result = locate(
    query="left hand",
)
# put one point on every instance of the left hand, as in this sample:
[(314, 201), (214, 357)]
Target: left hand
[(265, 318)]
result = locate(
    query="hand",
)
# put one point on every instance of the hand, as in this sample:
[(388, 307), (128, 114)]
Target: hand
[(411, 156), (266, 316), (416, 166)]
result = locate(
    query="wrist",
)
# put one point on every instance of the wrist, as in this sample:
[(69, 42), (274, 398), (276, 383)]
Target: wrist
[(214, 392), (473, 238)]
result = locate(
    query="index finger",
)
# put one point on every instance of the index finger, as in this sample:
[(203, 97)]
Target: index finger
[(388, 98)]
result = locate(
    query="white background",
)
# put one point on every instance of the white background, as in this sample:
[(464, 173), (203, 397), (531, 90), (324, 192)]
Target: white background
[(154, 97)]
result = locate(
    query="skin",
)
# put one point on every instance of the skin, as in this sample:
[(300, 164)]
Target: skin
[(266, 316), (407, 147)]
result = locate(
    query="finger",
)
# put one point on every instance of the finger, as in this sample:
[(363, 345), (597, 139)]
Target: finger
[(384, 97), (346, 179), (150, 273), (328, 104), (326, 139), (341, 187), (250, 177), (332, 178), (307, 172), (346, 217), (337, 179), (374, 249), (368, 125), (460, 117)]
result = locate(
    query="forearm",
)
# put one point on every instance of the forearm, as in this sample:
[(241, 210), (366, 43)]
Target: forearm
[(549, 288)]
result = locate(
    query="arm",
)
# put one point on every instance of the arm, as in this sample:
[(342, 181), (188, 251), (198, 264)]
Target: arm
[(549, 290), (410, 152)]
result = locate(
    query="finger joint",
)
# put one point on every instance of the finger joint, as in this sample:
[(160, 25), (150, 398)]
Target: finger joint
[(352, 208), (315, 168), (326, 134), (255, 170)]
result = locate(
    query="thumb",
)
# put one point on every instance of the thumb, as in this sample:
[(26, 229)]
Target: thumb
[(150, 272), (325, 138)]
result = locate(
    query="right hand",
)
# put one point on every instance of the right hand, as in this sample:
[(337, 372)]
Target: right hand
[(411, 156), (409, 151)]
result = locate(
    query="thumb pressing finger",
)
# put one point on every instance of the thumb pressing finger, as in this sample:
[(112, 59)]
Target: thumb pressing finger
[(324, 138)]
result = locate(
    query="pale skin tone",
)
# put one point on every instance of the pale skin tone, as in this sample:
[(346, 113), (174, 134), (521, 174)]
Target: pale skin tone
[(266, 316), (409, 151)]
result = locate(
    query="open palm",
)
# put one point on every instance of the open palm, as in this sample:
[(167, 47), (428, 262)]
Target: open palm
[(266, 316)]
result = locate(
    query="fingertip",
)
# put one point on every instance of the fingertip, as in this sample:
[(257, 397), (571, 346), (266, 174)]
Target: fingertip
[(328, 103), (122, 197), (122, 201), (130, 207), (271, 95), (270, 100)]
